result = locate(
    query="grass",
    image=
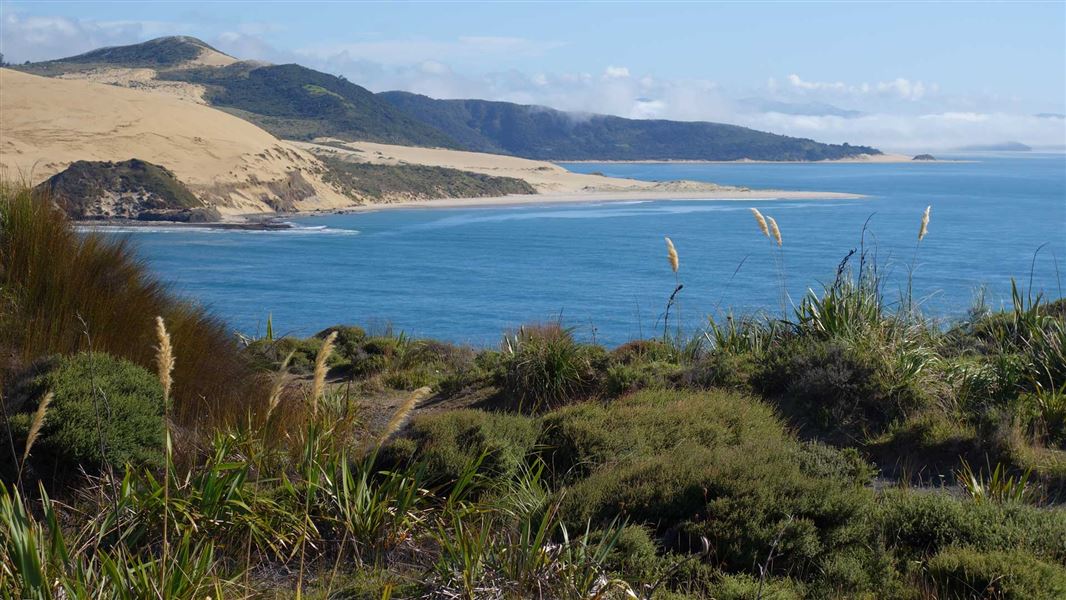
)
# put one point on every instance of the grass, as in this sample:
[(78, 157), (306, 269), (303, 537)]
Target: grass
[(823, 454)]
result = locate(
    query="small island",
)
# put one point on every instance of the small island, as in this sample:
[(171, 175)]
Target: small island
[(924, 157)]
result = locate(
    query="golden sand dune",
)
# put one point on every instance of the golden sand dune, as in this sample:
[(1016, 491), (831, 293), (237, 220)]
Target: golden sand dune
[(45, 124), (545, 177)]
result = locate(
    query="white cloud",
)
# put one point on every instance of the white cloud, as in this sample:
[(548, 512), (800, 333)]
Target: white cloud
[(612, 72), (900, 87)]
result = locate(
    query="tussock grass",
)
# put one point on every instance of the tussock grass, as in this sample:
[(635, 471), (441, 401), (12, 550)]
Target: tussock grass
[(66, 292)]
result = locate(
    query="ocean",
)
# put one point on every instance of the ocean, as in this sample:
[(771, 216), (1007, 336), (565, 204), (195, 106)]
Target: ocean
[(469, 275)]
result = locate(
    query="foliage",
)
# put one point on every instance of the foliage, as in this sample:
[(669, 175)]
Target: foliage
[(543, 133), (543, 367), (294, 102), (145, 191), (65, 292), (105, 411), (367, 181), (1007, 575)]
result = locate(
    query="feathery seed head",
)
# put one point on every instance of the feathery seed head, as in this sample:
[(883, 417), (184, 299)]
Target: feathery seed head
[(35, 426), (319, 382), (401, 414), (924, 229), (671, 255), (761, 221), (774, 229), (164, 358)]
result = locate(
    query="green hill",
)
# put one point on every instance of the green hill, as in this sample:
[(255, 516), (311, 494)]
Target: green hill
[(295, 102), (547, 134), (158, 53)]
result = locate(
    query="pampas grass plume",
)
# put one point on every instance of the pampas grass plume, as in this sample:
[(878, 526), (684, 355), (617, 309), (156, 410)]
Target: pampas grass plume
[(401, 414), (924, 229), (319, 382), (164, 358), (774, 229), (671, 255), (35, 426), (761, 221)]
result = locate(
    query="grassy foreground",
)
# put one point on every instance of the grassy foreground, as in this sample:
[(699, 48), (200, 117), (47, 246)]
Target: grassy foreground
[(849, 450)]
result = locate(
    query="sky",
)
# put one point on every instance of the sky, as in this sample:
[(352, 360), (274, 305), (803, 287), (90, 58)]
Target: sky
[(905, 76)]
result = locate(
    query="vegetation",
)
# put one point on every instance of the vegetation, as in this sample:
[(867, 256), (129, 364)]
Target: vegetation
[(295, 102), (841, 450), (414, 182), (132, 189), (547, 134)]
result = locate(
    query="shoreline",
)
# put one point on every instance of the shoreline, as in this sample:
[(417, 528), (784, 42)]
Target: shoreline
[(865, 159), (722, 195), (277, 221)]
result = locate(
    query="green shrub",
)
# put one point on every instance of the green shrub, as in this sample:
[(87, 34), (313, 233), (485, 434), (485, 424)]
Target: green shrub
[(268, 355), (104, 410), (349, 340), (746, 587), (642, 351), (717, 465), (625, 378), (965, 573), (837, 389), (917, 524), (721, 369), (448, 442), (544, 367)]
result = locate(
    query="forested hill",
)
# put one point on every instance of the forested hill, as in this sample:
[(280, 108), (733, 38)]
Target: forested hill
[(295, 102), (547, 134)]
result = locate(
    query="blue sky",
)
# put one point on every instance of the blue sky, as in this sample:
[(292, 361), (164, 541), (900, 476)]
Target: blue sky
[(900, 75)]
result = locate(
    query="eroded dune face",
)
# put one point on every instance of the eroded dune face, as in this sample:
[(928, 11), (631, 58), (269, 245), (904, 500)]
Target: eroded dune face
[(45, 124)]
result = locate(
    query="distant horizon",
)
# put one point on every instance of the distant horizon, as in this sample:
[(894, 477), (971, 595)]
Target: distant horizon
[(915, 82)]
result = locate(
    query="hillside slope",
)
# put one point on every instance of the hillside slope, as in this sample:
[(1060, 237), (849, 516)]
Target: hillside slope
[(544, 133), (225, 161), (295, 102)]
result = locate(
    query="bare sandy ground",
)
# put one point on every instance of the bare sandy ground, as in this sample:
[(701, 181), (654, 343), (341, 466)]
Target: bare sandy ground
[(140, 79), (45, 124)]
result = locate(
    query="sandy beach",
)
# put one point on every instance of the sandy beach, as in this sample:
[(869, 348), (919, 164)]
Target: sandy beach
[(721, 195)]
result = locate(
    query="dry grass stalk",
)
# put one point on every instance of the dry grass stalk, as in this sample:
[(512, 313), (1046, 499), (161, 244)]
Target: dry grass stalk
[(401, 414), (319, 383), (924, 229), (280, 380), (35, 426), (774, 230), (671, 255), (761, 221), (164, 359)]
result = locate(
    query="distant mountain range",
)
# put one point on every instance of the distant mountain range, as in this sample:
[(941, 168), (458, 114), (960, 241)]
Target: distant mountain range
[(295, 102)]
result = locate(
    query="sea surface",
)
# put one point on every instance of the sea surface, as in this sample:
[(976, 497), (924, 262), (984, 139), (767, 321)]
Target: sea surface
[(469, 275)]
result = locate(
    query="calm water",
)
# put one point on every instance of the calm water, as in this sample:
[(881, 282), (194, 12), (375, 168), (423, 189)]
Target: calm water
[(467, 275)]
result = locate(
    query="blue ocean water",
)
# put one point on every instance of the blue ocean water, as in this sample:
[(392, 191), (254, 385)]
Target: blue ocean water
[(468, 275)]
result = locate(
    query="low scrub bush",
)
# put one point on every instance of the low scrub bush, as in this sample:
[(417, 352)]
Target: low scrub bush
[(965, 573), (917, 524), (838, 389), (104, 411), (447, 443)]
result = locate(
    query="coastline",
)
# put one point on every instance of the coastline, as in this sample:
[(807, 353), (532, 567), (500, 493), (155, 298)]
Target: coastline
[(721, 195), (865, 159), (276, 221)]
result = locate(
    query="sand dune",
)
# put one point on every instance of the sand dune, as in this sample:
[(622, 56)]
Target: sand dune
[(545, 177), (45, 124)]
